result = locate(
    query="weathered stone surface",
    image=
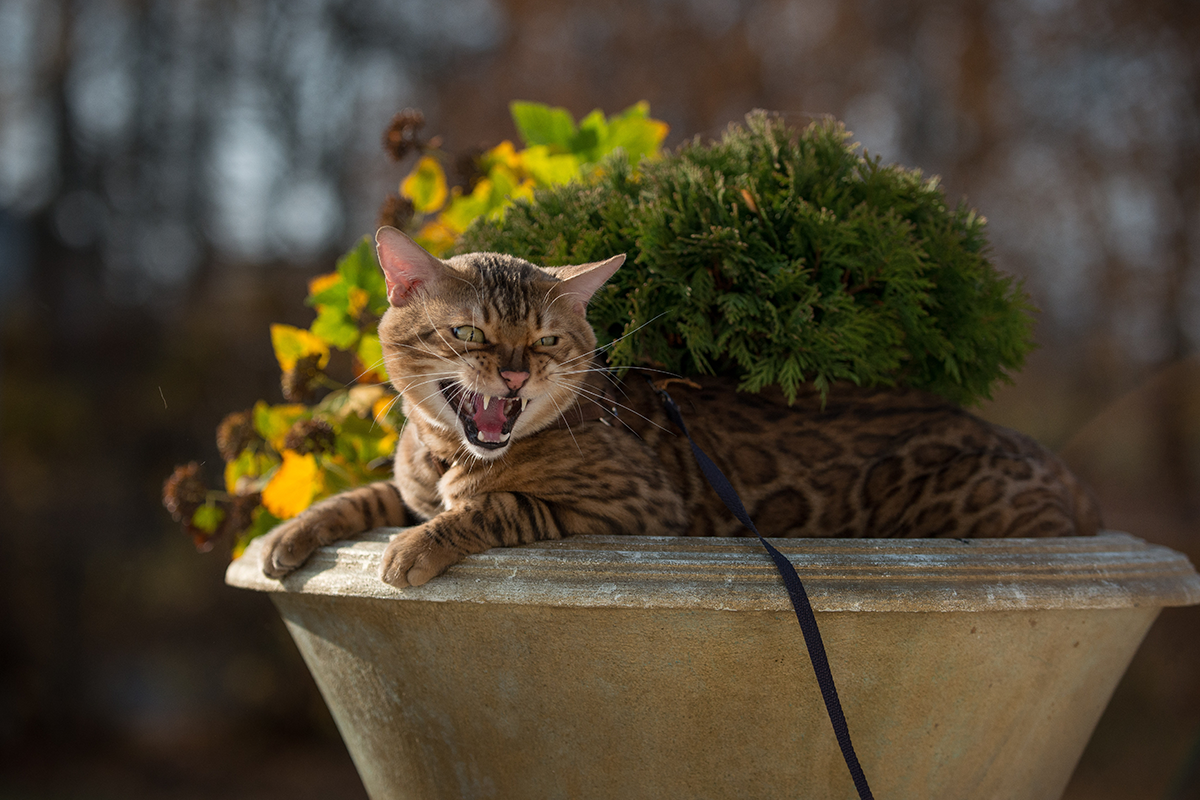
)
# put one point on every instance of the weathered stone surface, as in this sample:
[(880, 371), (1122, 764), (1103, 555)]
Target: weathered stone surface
[(1113, 570), (635, 667)]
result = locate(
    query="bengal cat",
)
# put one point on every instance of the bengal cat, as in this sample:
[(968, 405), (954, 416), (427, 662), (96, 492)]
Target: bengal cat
[(515, 436)]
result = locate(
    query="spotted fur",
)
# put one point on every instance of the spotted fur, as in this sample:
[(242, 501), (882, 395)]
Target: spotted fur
[(865, 462)]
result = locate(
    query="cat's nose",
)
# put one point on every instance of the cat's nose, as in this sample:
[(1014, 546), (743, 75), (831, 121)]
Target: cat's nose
[(514, 380)]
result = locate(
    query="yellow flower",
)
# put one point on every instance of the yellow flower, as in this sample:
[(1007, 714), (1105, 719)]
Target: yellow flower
[(294, 486)]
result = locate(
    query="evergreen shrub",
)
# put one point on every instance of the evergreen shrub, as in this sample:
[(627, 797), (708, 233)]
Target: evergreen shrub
[(781, 256)]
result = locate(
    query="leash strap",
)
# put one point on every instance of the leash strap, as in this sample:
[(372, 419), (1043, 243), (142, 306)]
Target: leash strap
[(804, 612)]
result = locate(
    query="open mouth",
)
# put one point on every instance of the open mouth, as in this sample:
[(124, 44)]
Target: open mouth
[(487, 420)]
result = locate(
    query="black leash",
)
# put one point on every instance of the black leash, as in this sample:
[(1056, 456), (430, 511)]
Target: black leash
[(804, 612)]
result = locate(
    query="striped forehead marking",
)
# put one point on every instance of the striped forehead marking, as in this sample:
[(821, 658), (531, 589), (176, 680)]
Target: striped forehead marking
[(506, 284)]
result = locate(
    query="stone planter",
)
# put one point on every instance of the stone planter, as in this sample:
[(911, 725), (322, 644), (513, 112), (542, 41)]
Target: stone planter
[(647, 667)]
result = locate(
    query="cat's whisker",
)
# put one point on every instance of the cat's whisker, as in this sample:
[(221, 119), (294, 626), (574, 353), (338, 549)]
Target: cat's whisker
[(387, 408), (450, 374), (416, 385), (438, 331), (610, 376), (426, 379), (566, 424), (609, 346), (474, 288), (601, 369), (592, 396), (393, 343)]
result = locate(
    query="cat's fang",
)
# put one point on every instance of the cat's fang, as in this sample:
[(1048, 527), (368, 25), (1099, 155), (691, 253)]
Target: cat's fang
[(487, 400), (524, 402)]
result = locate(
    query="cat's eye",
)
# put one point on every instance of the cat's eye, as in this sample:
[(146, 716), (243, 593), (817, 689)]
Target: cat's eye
[(546, 341), (468, 333)]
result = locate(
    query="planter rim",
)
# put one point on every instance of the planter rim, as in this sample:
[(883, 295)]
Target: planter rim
[(1111, 570)]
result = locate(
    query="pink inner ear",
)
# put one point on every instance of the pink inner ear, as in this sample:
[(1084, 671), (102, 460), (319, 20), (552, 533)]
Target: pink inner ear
[(405, 264), (582, 285), (400, 283)]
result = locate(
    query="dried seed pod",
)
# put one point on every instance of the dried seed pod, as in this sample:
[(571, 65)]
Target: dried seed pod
[(184, 492), (300, 381), (401, 136), (310, 436), (466, 167), (240, 514), (234, 433), (396, 211)]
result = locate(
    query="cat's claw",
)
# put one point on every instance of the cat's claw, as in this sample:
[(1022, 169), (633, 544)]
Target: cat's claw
[(285, 549), (289, 545), (413, 558)]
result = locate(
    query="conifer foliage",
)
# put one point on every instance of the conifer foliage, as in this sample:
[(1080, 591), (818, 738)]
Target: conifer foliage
[(781, 256)]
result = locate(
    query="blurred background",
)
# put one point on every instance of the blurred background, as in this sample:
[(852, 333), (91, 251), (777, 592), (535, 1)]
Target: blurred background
[(172, 172)]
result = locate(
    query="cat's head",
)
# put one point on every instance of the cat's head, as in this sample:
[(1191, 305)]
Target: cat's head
[(486, 346)]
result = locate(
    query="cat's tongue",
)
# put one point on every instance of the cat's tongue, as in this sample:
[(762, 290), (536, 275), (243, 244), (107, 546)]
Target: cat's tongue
[(490, 421)]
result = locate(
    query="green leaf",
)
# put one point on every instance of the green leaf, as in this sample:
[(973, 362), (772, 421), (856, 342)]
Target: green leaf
[(550, 169), (328, 290), (370, 360), (261, 521), (541, 124), (593, 131), (359, 268), (333, 326), (250, 463), (364, 440), (208, 517), (633, 131), (342, 297), (273, 422)]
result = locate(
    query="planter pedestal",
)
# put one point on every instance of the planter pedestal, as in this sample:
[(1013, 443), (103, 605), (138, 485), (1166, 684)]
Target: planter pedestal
[(649, 667)]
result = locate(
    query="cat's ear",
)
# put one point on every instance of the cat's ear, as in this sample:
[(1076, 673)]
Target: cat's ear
[(405, 264), (580, 281)]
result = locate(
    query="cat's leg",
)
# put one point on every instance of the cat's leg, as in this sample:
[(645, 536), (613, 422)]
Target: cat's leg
[(491, 520), (291, 543)]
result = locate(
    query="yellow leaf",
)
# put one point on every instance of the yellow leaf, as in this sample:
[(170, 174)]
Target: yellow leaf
[(387, 443), (522, 192), (380, 412), (425, 186), (465, 209), (358, 301), (503, 153), (323, 282), (294, 486), (436, 237), (292, 344)]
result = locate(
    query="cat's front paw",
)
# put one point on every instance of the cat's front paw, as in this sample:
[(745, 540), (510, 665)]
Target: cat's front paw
[(412, 558), (290, 544)]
